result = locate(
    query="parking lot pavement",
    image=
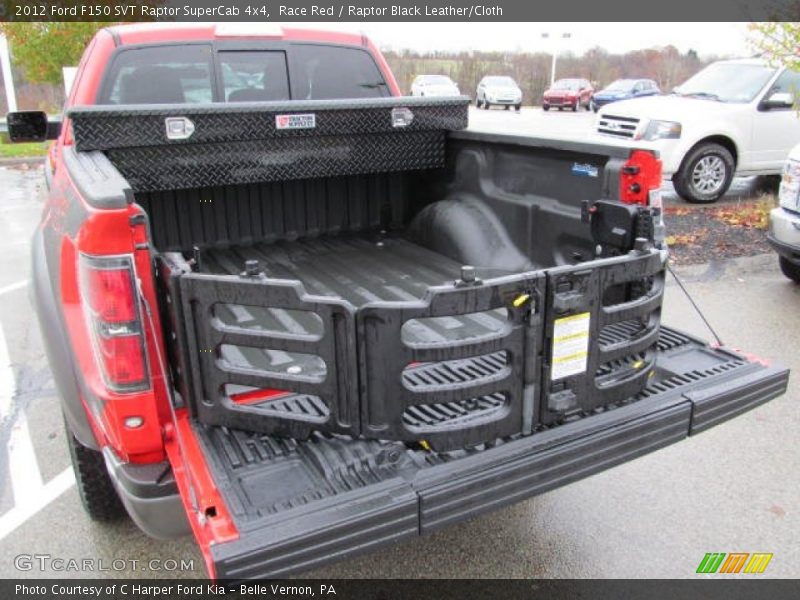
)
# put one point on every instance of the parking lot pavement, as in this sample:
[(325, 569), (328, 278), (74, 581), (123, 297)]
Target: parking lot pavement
[(734, 488)]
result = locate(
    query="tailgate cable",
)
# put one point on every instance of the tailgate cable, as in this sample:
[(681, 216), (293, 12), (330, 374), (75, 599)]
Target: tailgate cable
[(694, 305)]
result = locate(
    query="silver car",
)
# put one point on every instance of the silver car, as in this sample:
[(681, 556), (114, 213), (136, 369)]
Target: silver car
[(496, 90), (784, 221)]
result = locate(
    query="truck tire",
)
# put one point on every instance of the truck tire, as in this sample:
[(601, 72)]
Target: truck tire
[(790, 269), (705, 175), (98, 496)]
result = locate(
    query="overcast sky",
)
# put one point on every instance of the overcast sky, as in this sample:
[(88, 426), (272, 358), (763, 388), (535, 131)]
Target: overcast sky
[(706, 38)]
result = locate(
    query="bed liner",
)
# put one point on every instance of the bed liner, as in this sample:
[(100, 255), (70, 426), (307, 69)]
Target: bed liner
[(358, 268)]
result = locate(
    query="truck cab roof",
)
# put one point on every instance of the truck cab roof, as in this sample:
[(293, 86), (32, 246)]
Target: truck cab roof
[(150, 33)]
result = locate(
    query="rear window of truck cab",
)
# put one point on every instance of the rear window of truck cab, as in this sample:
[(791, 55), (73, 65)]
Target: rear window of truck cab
[(197, 73)]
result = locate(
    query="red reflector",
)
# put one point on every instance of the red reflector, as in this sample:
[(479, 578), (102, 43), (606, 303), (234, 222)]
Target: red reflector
[(640, 175), (254, 396), (110, 294), (122, 359)]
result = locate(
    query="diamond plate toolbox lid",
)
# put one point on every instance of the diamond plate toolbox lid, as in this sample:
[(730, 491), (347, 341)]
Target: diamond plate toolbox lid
[(106, 127)]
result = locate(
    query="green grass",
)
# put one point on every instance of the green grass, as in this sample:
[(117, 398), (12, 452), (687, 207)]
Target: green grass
[(8, 150)]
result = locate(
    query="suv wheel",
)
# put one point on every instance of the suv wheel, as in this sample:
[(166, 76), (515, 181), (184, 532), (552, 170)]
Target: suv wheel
[(790, 269), (705, 175), (98, 496)]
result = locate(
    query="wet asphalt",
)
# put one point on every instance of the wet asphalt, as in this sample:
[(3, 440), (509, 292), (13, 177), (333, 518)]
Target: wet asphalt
[(735, 488)]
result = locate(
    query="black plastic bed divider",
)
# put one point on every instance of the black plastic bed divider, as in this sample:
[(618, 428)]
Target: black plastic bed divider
[(211, 372), (622, 304), (373, 403), (486, 406), (447, 394), (224, 144)]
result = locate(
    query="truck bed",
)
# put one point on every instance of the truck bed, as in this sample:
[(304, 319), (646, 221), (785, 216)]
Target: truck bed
[(359, 268)]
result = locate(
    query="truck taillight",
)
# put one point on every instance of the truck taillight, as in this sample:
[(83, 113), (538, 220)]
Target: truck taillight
[(114, 320), (639, 177)]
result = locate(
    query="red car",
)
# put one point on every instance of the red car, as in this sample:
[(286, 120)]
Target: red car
[(568, 93)]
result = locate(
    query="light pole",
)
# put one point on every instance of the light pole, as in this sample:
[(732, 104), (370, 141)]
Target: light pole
[(564, 36), (8, 80)]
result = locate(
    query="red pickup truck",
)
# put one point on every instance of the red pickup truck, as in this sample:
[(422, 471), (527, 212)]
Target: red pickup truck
[(301, 317)]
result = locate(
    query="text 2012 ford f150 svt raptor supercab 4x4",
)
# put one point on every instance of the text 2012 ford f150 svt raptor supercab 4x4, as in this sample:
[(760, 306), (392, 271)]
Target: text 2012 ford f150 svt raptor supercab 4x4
[(302, 317)]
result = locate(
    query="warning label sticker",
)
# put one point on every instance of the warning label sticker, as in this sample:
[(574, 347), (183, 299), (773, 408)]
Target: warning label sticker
[(570, 345)]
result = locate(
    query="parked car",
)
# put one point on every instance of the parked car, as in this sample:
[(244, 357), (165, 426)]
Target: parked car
[(784, 221), (568, 93), (496, 90), (434, 86), (733, 117), (624, 89), (331, 326)]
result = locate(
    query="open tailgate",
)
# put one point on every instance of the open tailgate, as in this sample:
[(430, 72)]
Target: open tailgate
[(297, 505)]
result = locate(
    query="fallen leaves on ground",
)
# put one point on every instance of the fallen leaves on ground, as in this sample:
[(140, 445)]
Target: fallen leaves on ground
[(687, 239), (677, 211), (751, 215)]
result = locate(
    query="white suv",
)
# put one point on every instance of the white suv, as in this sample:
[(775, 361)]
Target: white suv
[(734, 116)]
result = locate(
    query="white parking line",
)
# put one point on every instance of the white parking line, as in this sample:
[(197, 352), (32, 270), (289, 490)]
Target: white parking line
[(13, 286), (26, 479), (49, 492), (7, 384), (30, 494)]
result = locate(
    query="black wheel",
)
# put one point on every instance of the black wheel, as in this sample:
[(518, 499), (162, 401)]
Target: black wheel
[(486, 105), (593, 106), (705, 175), (98, 496), (508, 106), (477, 102), (518, 107), (560, 108), (790, 269), (545, 107), (575, 107)]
